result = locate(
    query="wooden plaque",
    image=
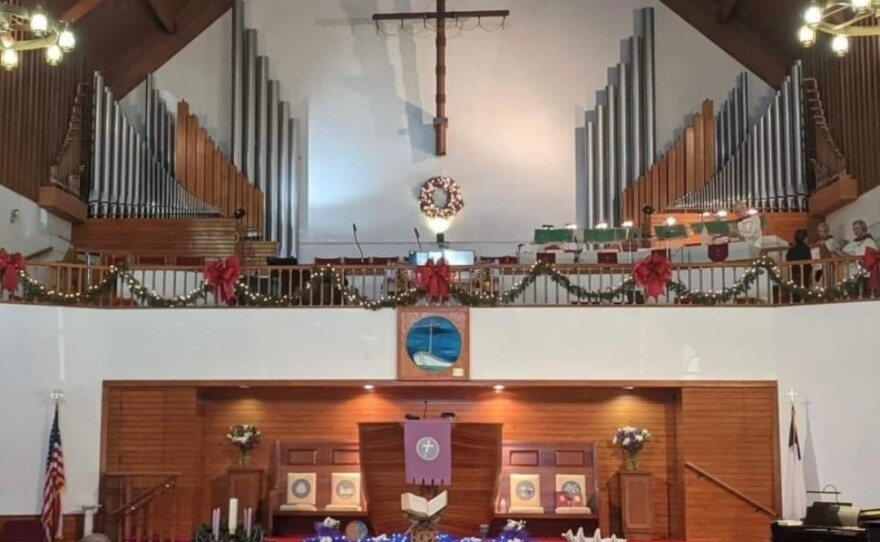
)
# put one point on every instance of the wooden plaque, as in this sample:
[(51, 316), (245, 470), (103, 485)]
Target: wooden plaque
[(433, 343)]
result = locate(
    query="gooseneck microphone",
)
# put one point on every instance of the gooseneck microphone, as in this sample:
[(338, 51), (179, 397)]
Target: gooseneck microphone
[(418, 238), (354, 230)]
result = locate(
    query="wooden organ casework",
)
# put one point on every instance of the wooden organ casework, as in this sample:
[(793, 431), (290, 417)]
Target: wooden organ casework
[(722, 156), (161, 188)]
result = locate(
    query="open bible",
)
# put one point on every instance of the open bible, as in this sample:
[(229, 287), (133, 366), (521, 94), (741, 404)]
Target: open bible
[(420, 507)]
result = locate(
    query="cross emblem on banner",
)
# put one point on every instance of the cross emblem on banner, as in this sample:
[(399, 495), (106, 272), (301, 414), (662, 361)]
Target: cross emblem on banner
[(428, 448)]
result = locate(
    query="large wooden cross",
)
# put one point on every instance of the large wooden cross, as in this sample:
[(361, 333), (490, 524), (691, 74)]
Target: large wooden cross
[(441, 122)]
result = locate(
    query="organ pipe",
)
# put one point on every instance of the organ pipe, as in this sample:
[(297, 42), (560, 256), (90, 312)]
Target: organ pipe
[(762, 162)]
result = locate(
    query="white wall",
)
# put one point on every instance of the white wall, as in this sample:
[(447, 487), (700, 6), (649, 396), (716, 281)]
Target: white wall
[(77, 349), (516, 98), (866, 208), (829, 356), (33, 230)]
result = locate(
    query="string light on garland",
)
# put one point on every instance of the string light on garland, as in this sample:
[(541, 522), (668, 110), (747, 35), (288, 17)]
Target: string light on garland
[(33, 291), (454, 201)]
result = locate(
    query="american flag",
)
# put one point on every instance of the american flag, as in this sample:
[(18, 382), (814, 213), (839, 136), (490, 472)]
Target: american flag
[(51, 516)]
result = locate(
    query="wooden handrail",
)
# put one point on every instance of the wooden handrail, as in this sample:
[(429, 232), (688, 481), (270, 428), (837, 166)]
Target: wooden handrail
[(703, 473), (145, 497)]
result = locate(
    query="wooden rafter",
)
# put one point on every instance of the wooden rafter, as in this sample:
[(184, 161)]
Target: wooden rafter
[(79, 9), (725, 9), (163, 14)]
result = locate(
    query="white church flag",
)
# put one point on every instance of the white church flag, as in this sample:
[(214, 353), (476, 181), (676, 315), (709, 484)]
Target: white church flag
[(795, 498)]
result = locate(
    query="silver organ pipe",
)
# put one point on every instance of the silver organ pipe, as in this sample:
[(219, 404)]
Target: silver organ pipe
[(133, 171), (132, 174), (262, 136), (759, 162), (621, 130)]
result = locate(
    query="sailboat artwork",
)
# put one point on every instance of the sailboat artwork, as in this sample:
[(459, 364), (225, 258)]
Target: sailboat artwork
[(433, 344)]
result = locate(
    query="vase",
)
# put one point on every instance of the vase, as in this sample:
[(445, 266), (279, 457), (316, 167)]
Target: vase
[(244, 457), (632, 462)]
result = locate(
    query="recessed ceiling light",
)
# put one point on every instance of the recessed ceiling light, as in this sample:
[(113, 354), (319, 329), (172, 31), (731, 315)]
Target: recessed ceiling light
[(498, 387), (244, 387), (629, 388), (369, 387)]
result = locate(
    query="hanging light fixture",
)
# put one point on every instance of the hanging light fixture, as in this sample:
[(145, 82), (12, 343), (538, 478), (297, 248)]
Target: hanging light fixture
[(23, 29), (839, 20)]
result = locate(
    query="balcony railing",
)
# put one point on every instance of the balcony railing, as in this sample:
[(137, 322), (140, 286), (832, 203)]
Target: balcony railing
[(729, 283)]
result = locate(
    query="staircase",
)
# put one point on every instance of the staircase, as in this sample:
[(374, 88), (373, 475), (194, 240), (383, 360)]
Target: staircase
[(139, 506)]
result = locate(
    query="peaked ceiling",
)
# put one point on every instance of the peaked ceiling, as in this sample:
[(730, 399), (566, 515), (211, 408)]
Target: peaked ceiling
[(128, 39), (760, 34)]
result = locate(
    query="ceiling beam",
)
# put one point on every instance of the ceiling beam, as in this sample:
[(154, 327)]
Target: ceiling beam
[(79, 9), (725, 10), (763, 57), (163, 15)]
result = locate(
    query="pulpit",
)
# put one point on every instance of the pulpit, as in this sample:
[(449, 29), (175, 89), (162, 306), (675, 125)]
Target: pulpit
[(635, 504)]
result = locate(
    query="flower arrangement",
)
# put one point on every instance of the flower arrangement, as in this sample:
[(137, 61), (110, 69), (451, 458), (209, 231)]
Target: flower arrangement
[(245, 436), (631, 440)]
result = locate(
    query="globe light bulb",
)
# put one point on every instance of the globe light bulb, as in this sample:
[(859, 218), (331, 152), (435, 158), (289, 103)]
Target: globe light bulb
[(840, 45), (39, 22), (53, 55), (9, 60), (602, 226), (807, 36), (813, 16), (66, 40), (671, 221)]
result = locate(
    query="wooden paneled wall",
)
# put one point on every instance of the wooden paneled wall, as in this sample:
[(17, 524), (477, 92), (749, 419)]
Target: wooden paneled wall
[(151, 429), (731, 432), (182, 429), (849, 87), (210, 176), (36, 101), (684, 169), (210, 238)]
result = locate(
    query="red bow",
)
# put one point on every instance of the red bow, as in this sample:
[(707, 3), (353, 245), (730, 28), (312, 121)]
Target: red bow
[(434, 279), (10, 265), (871, 263), (653, 274), (222, 276)]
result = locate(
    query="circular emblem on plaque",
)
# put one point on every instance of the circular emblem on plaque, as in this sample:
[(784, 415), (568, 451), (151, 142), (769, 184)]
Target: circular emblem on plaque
[(301, 488), (428, 448), (345, 490), (434, 344), (571, 488), (525, 490)]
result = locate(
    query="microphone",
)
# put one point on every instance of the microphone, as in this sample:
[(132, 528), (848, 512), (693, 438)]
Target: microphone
[(354, 230), (418, 238)]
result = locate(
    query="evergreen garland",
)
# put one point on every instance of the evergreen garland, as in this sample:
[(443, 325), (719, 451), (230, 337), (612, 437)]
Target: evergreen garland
[(34, 291)]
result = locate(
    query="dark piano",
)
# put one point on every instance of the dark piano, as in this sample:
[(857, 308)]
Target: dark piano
[(831, 522)]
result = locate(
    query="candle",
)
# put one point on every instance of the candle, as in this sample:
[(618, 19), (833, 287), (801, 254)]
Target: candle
[(233, 515), (215, 523), (248, 521)]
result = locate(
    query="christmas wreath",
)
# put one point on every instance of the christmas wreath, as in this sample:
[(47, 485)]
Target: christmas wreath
[(454, 201)]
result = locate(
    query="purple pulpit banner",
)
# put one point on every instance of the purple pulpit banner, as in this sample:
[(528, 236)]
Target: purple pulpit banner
[(428, 452)]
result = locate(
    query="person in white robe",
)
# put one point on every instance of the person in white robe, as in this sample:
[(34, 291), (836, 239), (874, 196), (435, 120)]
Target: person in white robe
[(825, 247), (749, 225), (862, 242)]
